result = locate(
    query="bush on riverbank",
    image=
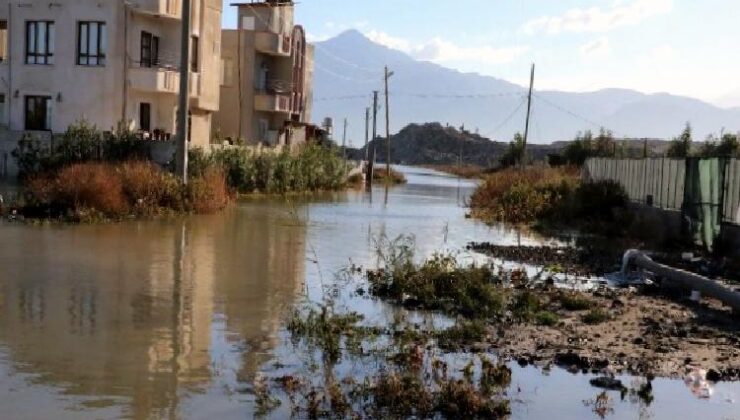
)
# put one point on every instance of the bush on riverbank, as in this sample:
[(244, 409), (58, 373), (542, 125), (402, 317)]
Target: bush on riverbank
[(548, 195), (81, 143), (89, 191), (313, 168), (523, 195)]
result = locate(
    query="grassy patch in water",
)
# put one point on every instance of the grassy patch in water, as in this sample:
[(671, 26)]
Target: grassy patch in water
[(464, 333), (441, 284)]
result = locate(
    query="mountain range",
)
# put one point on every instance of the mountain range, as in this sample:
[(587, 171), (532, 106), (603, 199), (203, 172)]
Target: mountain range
[(349, 67)]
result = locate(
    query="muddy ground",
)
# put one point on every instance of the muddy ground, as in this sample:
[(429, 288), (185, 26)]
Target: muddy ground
[(646, 335)]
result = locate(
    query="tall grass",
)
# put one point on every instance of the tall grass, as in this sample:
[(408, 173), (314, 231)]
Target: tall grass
[(313, 168)]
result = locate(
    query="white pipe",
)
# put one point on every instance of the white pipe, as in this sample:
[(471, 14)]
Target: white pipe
[(683, 278)]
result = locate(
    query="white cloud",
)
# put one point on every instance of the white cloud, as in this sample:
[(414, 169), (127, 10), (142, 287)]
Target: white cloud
[(595, 19), (389, 41), (439, 50), (596, 48)]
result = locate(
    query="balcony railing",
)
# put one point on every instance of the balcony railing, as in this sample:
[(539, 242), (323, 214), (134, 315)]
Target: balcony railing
[(164, 8), (152, 79), (273, 44), (267, 102), (275, 86)]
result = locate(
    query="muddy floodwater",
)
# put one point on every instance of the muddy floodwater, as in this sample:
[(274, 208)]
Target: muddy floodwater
[(175, 318)]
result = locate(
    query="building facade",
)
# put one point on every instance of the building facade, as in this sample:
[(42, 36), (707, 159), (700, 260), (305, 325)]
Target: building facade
[(266, 88), (106, 62)]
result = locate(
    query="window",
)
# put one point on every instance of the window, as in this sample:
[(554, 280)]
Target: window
[(91, 43), (145, 116), (194, 54), (39, 42), (3, 40), (149, 50), (38, 113)]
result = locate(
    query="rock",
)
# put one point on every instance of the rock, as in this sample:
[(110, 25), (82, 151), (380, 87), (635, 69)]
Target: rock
[(606, 382), (638, 341), (713, 376)]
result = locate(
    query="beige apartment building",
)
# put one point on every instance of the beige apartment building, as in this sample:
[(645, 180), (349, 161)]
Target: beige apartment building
[(106, 61), (266, 88)]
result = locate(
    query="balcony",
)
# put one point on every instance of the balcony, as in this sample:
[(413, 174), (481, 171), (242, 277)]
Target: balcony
[(272, 102), (152, 79), (194, 84), (159, 8), (271, 43), (162, 80)]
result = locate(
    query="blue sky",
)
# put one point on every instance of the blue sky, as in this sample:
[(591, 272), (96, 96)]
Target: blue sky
[(685, 47)]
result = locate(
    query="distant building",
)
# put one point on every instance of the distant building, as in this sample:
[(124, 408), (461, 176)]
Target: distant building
[(266, 88), (106, 61)]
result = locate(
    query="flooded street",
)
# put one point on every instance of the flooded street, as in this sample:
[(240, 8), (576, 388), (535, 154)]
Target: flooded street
[(176, 318)]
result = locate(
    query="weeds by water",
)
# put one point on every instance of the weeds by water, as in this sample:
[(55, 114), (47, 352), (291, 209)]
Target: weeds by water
[(381, 176), (313, 168), (99, 190)]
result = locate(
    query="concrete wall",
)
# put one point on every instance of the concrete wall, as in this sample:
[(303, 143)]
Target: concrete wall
[(103, 95)]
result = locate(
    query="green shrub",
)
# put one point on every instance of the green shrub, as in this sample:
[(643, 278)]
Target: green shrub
[(574, 302), (546, 318), (596, 316), (313, 168), (81, 143)]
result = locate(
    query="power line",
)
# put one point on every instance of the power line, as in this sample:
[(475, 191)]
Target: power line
[(342, 98), (506, 120), (577, 116), (341, 76), (345, 61), (458, 95)]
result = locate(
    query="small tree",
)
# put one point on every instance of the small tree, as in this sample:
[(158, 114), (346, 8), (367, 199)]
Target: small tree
[(681, 147), (604, 145), (515, 153), (577, 151), (728, 146)]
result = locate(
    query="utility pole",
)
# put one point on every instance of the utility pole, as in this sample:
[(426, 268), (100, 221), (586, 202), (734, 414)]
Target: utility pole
[(344, 139), (388, 75), (375, 114), (181, 156), (367, 131), (529, 111), (371, 172)]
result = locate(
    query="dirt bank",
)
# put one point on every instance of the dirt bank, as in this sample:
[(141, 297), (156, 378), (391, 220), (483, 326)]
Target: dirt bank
[(646, 335)]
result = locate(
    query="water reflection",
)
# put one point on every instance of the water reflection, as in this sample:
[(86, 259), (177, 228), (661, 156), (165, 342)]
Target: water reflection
[(174, 318), (125, 312)]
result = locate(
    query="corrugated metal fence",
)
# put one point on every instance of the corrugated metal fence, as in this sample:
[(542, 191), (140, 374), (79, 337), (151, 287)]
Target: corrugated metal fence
[(731, 211), (661, 182), (660, 179)]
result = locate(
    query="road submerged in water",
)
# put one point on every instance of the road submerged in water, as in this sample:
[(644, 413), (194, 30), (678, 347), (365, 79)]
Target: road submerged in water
[(180, 318)]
